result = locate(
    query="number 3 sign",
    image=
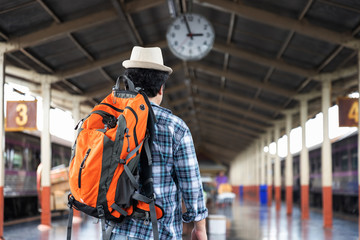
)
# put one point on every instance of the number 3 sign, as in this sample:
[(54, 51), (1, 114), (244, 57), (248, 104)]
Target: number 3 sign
[(20, 115)]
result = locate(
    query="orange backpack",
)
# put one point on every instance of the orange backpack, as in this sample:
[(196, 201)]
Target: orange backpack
[(112, 141)]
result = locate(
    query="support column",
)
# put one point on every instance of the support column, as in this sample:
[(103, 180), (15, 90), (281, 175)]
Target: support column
[(277, 169), (304, 162), (263, 186), (289, 168), (269, 171), (326, 161), (45, 155), (241, 177), (2, 142), (257, 170)]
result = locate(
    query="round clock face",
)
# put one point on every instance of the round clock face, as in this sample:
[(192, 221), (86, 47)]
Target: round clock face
[(190, 36)]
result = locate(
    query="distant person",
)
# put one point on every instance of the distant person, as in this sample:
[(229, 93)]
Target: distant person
[(221, 178), (225, 195), (176, 173)]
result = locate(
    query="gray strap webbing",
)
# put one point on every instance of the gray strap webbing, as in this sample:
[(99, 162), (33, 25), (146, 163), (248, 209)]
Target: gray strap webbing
[(131, 177), (69, 227), (119, 209), (139, 197), (126, 168), (147, 151), (154, 220), (109, 231), (106, 233), (102, 221), (134, 151), (151, 203)]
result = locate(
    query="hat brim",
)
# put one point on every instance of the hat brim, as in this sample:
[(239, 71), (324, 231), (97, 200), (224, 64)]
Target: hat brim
[(147, 65)]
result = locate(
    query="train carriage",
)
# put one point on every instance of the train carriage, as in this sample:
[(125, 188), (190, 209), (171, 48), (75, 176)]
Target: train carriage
[(344, 173), (22, 157)]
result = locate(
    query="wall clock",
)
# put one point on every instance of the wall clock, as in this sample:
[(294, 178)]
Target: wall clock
[(190, 36)]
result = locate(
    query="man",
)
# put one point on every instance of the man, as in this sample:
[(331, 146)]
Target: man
[(175, 168)]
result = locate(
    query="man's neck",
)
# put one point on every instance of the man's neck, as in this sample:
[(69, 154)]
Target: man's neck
[(157, 99)]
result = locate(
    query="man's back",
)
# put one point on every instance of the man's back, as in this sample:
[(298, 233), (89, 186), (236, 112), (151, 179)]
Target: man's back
[(176, 176)]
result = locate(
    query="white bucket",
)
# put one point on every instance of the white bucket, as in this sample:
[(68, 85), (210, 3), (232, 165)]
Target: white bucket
[(217, 224)]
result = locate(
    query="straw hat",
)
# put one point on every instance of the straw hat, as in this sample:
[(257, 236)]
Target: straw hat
[(150, 58)]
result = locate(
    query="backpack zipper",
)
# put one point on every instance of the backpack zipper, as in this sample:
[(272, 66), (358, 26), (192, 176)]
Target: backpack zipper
[(136, 118), (82, 166), (113, 107), (127, 137)]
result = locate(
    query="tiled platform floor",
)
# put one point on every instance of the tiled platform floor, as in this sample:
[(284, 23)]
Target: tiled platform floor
[(245, 221)]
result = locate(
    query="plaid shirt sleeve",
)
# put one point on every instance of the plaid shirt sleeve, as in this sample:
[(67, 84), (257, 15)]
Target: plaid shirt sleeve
[(188, 176)]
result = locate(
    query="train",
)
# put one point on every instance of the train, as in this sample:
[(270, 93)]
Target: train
[(344, 173), (22, 157)]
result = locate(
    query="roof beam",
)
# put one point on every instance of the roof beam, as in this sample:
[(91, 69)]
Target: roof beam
[(268, 18), (100, 63), (56, 30), (130, 26), (28, 74), (216, 133), (276, 63), (37, 61), (243, 80), (49, 11), (237, 97), (219, 149), (218, 127), (341, 73), (229, 117), (246, 113), (218, 157), (232, 126), (140, 5), (227, 138)]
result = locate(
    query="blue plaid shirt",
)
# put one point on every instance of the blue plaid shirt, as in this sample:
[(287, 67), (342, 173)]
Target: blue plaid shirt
[(176, 176)]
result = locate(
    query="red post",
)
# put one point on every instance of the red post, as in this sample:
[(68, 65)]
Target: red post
[(278, 197), (269, 195), (327, 206), (45, 206), (304, 202), (2, 206), (289, 199)]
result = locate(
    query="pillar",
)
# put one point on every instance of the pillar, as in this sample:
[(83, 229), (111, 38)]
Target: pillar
[(257, 170), (289, 168), (2, 142), (263, 186), (304, 162), (269, 171), (45, 155), (326, 161), (277, 169)]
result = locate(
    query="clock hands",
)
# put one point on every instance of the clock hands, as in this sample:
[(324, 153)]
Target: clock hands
[(195, 34), (188, 28), (190, 34)]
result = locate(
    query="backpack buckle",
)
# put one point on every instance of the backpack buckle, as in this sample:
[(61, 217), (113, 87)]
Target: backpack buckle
[(70, 201), (147, 218), (100, 210)]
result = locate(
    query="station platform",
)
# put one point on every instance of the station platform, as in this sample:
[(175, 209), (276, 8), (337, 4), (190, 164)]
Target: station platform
[(244, 220)]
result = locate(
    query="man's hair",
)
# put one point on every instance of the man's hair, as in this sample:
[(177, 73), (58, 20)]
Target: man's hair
[(149, 80)]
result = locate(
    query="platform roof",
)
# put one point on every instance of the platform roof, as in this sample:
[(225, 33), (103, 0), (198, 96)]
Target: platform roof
[(267, 56)]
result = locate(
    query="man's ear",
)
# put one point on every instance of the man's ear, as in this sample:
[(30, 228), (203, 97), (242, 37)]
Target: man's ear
[(161, 91)]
